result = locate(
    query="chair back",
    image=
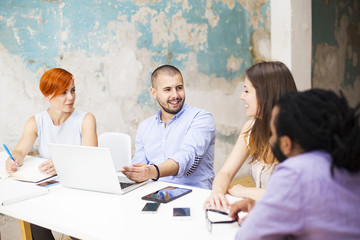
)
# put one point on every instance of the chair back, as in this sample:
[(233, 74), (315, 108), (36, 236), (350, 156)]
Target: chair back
[(120, 147)]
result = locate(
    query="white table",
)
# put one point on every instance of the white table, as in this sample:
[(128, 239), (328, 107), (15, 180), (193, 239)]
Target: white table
[(93, 215)]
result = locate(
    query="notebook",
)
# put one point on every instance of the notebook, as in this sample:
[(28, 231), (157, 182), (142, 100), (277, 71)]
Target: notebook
[(15, 191), (89, 168), (28, 172)]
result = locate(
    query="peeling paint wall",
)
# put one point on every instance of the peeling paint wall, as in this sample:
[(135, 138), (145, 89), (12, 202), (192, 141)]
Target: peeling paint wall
[(112, 47), (336, 46)]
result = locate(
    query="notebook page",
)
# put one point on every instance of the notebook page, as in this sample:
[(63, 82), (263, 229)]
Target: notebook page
[(29, 171)]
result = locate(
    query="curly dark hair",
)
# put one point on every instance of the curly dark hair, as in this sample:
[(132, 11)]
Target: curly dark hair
[(321, 120)]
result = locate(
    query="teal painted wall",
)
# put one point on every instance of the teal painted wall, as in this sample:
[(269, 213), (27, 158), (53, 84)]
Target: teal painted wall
[(336, 46), (112, 47), (41, 31)]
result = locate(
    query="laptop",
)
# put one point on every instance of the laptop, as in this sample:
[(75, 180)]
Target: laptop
[(89, 168)]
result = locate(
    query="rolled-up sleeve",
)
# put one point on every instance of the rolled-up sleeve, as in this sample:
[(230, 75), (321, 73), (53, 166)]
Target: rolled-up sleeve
[(200, 134)]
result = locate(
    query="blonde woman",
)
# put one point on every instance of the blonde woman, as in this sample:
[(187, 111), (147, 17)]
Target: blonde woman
[(265, 82)]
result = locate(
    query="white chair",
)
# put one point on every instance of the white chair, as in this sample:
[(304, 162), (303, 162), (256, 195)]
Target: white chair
[(120, 147)]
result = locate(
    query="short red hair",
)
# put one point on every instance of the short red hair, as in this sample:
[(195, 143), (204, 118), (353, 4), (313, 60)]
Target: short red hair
[(54, 82)]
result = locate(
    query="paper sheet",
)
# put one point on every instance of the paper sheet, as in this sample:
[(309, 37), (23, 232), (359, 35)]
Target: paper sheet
[(29, 171)]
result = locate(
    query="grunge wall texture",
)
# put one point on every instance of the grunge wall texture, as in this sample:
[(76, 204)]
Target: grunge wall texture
[(112, 47), (336, 46)]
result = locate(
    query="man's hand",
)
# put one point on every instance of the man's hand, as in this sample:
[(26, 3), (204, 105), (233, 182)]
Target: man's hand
[(140, 172), (245, 205)]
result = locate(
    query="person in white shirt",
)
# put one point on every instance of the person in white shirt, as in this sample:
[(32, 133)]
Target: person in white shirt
[(60, 123)]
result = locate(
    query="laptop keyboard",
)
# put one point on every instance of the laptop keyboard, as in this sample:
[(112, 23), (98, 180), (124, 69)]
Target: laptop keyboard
[(125, 184)]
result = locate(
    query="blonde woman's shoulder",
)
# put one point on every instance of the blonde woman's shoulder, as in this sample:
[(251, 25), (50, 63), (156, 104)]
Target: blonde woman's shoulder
[(248, 125)]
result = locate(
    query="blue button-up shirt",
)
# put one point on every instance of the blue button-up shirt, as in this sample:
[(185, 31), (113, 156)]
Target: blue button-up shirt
[(188, 139)]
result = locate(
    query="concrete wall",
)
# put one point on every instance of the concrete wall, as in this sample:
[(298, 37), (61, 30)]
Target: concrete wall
[(336, 46), (112, 46), (291, 38)]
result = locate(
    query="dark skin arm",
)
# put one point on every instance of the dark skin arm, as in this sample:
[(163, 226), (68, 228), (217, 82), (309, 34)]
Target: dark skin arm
[(245, 205)]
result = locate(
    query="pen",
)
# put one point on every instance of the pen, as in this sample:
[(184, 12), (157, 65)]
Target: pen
[(8, 152)]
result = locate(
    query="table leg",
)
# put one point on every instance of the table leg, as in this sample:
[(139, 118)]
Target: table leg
[(25, 230)]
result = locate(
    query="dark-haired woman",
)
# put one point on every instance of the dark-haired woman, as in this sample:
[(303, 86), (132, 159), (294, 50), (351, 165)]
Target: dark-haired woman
[(265, 82)]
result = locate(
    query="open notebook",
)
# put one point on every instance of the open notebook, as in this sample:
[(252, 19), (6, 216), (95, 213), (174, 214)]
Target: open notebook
[(15, 191), (28, 172)]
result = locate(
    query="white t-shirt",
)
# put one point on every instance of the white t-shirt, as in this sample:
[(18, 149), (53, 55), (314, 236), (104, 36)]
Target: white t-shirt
[(69, 132)]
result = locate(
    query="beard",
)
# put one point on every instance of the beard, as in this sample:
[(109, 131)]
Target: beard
[(173, 111), (279, 155)]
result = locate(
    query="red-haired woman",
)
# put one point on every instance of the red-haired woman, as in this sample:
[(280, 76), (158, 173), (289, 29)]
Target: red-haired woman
[(60, 123), (265, 83)]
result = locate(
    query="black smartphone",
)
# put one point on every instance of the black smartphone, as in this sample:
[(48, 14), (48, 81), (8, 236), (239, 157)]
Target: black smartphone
[(181, 213), (151, 207), (167, 194)]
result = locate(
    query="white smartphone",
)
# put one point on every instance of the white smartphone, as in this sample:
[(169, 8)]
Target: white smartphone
[(151, 207), (181, 213)]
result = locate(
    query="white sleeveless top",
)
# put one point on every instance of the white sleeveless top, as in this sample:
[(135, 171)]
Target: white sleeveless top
[(69, 132), (259, 171)]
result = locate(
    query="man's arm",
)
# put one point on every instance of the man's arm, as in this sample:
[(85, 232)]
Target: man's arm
[(200, 135), (278, 213), (139, 155), (245, 205), (195, 143), (140, 172)]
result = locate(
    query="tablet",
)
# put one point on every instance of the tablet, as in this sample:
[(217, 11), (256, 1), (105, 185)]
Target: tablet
[(167, 194)]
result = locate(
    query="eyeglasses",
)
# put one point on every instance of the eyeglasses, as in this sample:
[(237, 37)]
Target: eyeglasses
[(209, 223)]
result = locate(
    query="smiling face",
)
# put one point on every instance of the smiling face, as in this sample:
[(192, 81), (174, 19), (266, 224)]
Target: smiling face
[(65, 101), (169, 92), (249, 98)]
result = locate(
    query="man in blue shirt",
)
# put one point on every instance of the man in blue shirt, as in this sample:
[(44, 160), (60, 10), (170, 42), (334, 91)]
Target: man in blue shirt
[(177, 143)]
